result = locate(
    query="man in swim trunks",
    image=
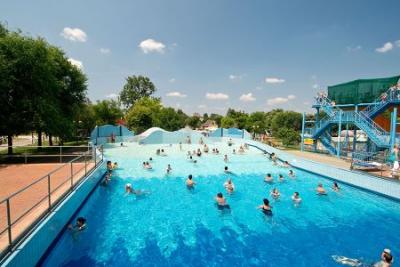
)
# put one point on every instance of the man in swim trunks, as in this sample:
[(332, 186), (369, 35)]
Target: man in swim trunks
[(321, 190), (189, 182)]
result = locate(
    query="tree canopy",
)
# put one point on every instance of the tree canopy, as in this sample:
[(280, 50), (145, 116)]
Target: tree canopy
[(135, 88)]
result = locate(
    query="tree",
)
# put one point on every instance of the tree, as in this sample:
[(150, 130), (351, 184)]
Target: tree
[(144, 114), (136, 87), (257, 122), (193, 121), (216, 117), (172, 120), (107, 112), (227, 122), (288, 136), (286, 119)]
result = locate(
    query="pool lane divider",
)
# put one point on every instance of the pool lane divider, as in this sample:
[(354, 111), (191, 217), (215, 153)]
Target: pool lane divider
[(37, 244), (369, 183)]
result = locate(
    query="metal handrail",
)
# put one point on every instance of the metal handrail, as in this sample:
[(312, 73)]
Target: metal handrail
[(10, 223), (390, 96)]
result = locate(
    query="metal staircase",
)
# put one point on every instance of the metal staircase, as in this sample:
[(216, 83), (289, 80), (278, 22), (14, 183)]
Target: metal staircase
[(391, 96), (361, 119)]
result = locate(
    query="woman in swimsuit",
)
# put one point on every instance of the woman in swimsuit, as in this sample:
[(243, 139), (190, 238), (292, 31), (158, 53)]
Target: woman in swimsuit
[(265, 207)]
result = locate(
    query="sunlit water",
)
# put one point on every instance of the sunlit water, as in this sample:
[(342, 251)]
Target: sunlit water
[(173, 226)]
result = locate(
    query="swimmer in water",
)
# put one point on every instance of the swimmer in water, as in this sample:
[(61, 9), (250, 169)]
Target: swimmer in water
[(296, 198), (321, 190), (265, 207), (229, 186), (281, 179), (268, 178), (226, 170), (241, 150), (285, 164), (226, 158), (148, 166), (291, 173), (221, 202), (109, 165), (189, 182), (335, 187), (234, 151), (180, 146), (128, 189), (169, 169), (386, 259), (79, 226), (275, 194)]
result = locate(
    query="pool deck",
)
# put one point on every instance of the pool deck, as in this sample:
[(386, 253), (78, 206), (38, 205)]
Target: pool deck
[(321, 158), (15, 177)]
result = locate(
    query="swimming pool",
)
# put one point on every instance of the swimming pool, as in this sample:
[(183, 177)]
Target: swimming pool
[(174, 226)]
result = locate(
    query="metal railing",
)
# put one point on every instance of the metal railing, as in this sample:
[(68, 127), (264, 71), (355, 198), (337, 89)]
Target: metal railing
[(24, 209), (30, 153), (392, 94)]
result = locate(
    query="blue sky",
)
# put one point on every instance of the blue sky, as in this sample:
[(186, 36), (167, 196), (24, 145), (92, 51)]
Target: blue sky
[(206, 56)]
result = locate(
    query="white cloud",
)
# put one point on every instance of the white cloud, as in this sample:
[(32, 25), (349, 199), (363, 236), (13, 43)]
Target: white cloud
[(354, 48), (385, 48), (112, 95), (76, 63), (247, 97), (172, 80), (235, 77), (176, 94), (274, 80), (150, 45), (280, 100), (74, 34), (217, 96), (105, 50)]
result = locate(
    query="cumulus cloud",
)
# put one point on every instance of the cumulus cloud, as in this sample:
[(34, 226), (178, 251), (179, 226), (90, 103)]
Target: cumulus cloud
[(150, 45), (176, 94), (247, 97), (172, 80), (354, 48), (76, 63), (112, 95), (385, 48), (217, 96), (274, 80), (105, 50), (74, 34), (280, 100)]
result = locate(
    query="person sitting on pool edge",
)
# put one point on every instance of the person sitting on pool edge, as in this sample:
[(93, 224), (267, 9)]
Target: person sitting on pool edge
[(265, 207), (189, 182), (268, 178), (386, 259), (321, 189), (229, 186), (335, 187), (79, 226), (221, 202)]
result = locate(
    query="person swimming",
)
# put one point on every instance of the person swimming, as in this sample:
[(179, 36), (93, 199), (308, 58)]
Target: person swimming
[(128, 189), (265, 207), (198, 152), (79, 225), (147, 166), (386, 259), (268, 178), (233, 151), (230, 142), (150, 159), (285, 164), (226, 170), (169, 169), (162, 153), (226, 158), (335, 187), (189, 182), (221, 202), (205, 149), (192, 160), (291, 173), (321, 189), (106, 179), (229, 186), (109, 165), (115, 165), (296, 198), (281, 179), (275, 194), (241, 149)]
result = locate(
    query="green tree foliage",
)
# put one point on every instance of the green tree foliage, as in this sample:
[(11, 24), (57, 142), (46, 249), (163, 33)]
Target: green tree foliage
[(288, 136), (257, 122), (39, 88), (193, 122), (172, 120), (144, 114), (135, 88), (107, 112), (286, 119), (216, 117), (228, 122)]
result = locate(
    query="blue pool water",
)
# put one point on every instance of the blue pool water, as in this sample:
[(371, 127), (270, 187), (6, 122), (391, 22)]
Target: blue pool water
[(173, 226)]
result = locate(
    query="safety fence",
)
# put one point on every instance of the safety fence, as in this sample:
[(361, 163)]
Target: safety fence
[(21, 211)]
